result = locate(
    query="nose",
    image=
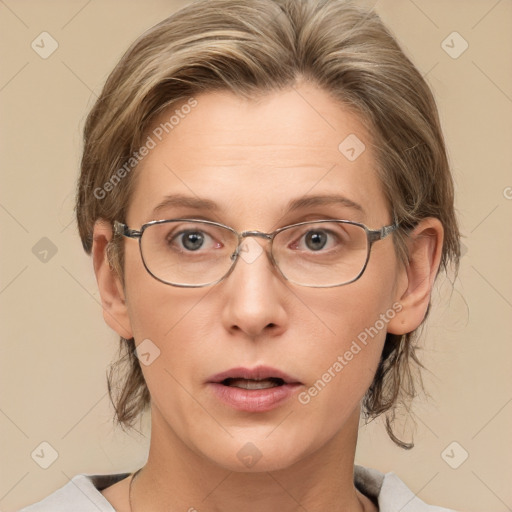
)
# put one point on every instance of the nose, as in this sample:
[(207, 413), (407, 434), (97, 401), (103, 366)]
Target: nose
[(254, 293)]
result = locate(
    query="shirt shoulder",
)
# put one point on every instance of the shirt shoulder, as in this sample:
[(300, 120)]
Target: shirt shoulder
[(80, 494), (389, 492)]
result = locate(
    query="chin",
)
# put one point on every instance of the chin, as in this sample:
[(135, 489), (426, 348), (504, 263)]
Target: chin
[(256, 454)]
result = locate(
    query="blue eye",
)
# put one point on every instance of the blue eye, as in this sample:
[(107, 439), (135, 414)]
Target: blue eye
[(316, 240), (189, 239), (192, 240)]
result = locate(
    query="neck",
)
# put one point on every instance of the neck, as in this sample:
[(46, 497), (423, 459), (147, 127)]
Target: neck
[(177, 478)]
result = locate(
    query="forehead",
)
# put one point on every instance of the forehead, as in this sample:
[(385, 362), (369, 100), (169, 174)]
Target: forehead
[(254, 158)]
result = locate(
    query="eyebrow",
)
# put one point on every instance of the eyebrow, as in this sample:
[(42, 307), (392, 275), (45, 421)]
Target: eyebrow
[(177, 200), (181, 200), (323, 200)]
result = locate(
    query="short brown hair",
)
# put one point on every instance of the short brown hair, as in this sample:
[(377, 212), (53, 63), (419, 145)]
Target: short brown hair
[(252, 48)]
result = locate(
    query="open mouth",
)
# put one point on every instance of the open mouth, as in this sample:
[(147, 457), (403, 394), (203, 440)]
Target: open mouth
[(270, 382), (258, 389)]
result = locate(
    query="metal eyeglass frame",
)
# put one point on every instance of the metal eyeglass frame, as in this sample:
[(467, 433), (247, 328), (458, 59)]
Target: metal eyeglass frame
[(373, 235)]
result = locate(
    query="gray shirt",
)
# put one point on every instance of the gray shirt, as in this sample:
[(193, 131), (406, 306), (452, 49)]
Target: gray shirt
[(82, 494)]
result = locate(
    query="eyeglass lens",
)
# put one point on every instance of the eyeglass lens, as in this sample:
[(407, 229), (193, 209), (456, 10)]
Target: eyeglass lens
[(311, 254)]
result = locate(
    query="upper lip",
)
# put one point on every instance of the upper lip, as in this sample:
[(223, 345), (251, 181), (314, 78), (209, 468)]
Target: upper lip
[(257, 373)]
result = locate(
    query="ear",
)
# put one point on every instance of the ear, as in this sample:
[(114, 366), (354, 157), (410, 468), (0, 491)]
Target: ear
[(115, 311), (425, 246)]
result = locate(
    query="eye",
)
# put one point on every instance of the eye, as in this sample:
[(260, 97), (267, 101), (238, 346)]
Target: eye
[(191, 240), (317, 239)]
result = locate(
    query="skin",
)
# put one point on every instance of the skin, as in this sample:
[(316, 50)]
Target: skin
[(251, 158)]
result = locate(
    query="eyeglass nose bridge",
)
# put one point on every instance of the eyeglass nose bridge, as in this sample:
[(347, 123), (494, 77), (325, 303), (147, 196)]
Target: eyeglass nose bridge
[(245, 234)]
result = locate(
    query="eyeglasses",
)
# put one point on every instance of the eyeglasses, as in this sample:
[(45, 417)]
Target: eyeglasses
[(196, 253)]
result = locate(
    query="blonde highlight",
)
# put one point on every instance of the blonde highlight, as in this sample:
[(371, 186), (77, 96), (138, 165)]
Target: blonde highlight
[(251, 49)]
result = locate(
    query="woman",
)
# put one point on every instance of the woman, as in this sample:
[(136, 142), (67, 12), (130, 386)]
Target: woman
[(267, 200)]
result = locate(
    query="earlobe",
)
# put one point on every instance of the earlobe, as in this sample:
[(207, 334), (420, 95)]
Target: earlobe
[(425, 246), (115, 311)]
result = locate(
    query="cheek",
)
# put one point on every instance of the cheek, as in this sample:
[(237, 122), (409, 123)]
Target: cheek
[(356, 339), (152, 305), (174, 319), (360, 311), (343, 364)]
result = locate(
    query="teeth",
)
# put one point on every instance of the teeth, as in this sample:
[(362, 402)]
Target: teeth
[(253, 384)]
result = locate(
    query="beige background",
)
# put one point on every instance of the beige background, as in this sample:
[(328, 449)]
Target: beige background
[(55, 346)]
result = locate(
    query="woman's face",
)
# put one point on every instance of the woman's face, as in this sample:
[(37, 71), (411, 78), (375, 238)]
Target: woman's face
[(252, 159)]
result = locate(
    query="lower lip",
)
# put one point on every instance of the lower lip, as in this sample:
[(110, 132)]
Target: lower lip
[(254, 400)]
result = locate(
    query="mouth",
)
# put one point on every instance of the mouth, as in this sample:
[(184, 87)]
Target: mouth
[(261, 377), (258, 389), (271, 382)]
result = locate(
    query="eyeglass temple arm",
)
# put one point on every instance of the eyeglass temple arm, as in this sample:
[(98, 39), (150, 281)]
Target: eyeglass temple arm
[(124, 230), (385, 230)]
